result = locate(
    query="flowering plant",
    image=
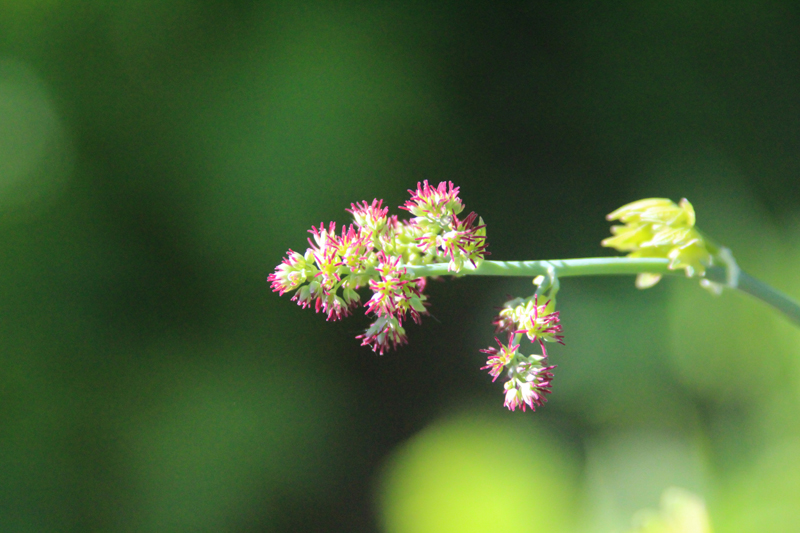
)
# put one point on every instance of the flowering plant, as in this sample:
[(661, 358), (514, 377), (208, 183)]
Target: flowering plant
[(393, 257)]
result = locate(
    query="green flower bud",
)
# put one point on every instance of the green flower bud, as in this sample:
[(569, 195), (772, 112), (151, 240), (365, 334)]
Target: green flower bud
[(657, 227)]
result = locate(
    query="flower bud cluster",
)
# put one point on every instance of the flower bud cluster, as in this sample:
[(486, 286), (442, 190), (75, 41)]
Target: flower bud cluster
[(529, 377), (539, 322), (374, 251), (657, 227), (439, 230)]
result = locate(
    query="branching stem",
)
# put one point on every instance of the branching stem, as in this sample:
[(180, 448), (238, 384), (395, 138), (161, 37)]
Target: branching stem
[(605, 266)]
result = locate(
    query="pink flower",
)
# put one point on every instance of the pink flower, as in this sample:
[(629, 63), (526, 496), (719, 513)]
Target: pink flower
[(544, 326), (528, 387), (384, 333), (325, 248), (499, 358), (352, 248), (537, 321), (395, 293), (388, 291), (290, 274), (308, 294), (324, 239), (434, 202), (334, 307), (372, 217), (464, 242)]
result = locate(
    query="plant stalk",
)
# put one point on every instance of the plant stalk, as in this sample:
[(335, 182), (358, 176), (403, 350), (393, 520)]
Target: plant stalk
[(605, 266), (591, 266)]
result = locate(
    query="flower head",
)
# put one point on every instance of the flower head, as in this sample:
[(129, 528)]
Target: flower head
[(372, 217), (539, 322), (500, 357), (352, 249), (528, 386), (395, 292), (308, 294), (384, 333), (434, 203), (325, 251), (334, 306), (294, 270), (463, 242), (325, 266)]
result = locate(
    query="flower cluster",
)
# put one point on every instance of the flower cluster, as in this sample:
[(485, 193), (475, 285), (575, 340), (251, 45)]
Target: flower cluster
[(539, 322), (657, 227), (440, 231), (374, 252), (529, 379)]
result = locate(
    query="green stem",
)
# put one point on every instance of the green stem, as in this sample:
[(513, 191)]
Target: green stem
[(591, 266), (760, 290), (604, 266)]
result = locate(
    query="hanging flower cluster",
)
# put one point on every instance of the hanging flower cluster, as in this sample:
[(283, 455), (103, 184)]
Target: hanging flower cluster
[(657, 227), (529, 377), (374, 252)]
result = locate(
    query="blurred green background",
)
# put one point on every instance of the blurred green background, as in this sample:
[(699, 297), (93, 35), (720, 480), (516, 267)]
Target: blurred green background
[(158, 157)]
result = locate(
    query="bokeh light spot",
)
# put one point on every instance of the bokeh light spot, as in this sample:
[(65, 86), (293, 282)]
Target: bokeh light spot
[(481, 475)]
